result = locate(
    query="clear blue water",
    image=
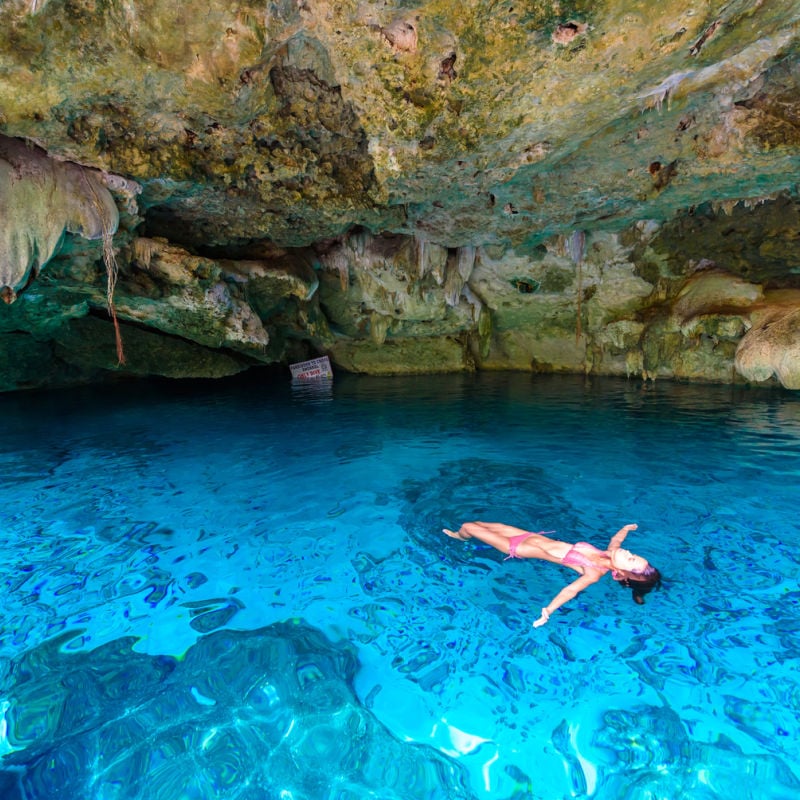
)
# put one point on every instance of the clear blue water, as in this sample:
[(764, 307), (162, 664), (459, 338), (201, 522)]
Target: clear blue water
[(242, 591)]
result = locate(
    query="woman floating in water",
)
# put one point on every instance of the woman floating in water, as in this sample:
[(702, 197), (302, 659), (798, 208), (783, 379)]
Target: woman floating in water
[(630, 570)]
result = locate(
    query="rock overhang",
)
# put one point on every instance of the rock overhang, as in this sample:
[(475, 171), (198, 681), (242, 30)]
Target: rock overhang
[(290, 135)]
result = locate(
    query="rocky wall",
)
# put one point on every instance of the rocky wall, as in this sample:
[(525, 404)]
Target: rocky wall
[(605, 187)]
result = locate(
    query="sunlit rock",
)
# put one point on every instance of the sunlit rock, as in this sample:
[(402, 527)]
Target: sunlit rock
[(713, 291), (771, 348)]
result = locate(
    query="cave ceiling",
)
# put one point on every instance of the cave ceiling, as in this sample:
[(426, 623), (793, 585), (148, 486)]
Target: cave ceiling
[(403, 186)]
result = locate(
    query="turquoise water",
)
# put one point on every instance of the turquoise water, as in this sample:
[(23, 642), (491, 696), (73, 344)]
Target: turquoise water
[(241, 591)]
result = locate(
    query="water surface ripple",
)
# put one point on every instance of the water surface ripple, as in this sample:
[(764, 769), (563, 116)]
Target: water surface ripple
[(242, 591)]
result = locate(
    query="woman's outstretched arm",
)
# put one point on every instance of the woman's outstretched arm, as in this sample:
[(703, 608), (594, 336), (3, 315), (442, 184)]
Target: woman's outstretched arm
[(566, 594), (619, 537)]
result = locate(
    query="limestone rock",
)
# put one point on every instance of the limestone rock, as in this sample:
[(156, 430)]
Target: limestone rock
[(713, 293), (40, 200), (771, 348), (398, 185)]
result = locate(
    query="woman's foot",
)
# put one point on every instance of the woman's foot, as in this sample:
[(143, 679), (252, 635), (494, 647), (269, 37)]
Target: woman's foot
[(456, 534)]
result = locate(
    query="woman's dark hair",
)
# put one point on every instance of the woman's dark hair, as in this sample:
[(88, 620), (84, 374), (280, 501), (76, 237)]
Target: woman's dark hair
[(642, 583)]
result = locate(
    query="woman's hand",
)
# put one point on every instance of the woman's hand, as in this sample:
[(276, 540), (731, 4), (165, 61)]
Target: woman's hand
[(541, 621), (619, 537)]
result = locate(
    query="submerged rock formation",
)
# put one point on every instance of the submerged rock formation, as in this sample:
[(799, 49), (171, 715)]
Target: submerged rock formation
[(600, 187), (265, 713)]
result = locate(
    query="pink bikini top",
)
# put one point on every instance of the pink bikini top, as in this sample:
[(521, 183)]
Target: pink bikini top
[(578, 556)]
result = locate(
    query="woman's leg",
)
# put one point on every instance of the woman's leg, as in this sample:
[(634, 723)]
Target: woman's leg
[(494, 533), (497, 534)]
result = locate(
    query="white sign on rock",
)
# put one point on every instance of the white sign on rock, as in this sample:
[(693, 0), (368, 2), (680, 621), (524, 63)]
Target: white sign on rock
[(315, 369)]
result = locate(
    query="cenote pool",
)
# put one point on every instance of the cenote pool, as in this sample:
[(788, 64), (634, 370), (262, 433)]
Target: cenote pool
[(241, 591)]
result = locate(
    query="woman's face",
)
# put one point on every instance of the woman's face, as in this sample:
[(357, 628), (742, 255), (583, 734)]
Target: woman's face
[(628, 562)]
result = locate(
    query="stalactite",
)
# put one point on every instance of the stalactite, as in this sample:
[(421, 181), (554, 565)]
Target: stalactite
[(576, 246), (378, 327), (457, 273), (42, 198), (754, 202), (143, 251), (482, 317), (726, 206), (465, 261), (339, 262), (436, 262), (422, 255), (473, 300), (360, 241)]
